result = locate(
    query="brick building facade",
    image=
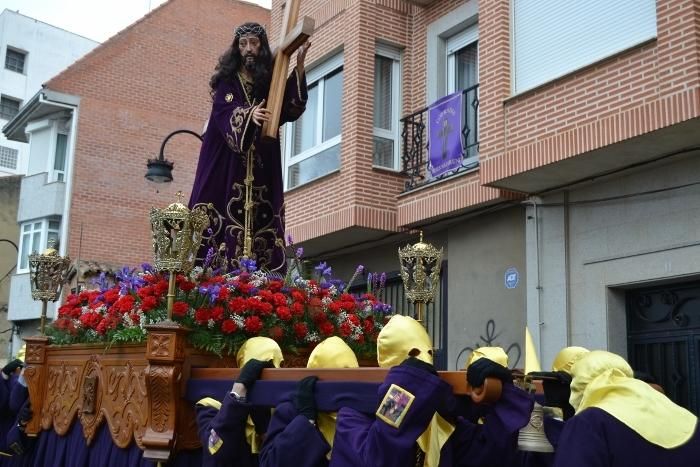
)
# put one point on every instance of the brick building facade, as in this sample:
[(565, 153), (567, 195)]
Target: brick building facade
[(115, 106), (578, 217)]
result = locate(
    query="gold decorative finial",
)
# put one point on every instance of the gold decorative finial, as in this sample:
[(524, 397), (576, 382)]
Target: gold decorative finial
[(179, 196), (177, 235), (420, 271)]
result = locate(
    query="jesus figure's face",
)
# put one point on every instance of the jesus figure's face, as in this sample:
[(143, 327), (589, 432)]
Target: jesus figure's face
[(249, 47)]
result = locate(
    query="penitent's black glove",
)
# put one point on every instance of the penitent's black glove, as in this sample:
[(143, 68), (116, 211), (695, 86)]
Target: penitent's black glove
[(557, 389), (484, 368), (12, 367), (304, 399), (251, 371), (416, 363), (25, 414)]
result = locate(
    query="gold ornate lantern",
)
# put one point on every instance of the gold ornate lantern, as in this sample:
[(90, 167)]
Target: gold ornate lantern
[(420, 271), (177, 235), (47, 274)]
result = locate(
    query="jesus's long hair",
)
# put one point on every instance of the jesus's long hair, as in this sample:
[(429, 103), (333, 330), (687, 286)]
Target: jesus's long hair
[(231, 60)]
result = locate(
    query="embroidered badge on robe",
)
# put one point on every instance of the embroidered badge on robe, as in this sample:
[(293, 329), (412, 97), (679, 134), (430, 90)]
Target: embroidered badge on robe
[(215, 442), (395, 405), (229, 98)]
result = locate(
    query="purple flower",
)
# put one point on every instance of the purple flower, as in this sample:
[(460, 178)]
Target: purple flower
[(326, 285), (249, 265), (290, 241), (359, 269), (208, 259), (321, 267), (128, 280), (147, 268), (254, 291), (327, 272), (102, 282), (300, 252)]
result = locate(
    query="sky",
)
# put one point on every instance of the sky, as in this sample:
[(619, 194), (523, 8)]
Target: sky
[(95, 19)]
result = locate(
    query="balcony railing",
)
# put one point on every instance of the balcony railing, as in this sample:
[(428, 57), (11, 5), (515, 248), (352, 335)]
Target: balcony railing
[(415, 143)]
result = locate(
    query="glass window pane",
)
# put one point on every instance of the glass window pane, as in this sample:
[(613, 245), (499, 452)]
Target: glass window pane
[(36, 242), (52, 236), (332, 105), (466, 66), (54, 225), (382, 92), (60, 159), (23, 258), (316, 166), (305, 127), (37, 226), (383, 152), (26, 227)]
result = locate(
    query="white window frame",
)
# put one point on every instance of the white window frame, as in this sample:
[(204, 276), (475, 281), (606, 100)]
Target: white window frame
[(315, 75), (29, 234), (394, 134), (454, 44), (56, 175)]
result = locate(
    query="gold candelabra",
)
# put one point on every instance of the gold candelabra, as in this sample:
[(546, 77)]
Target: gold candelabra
[(420, 272), (177, 235), (47, 274)]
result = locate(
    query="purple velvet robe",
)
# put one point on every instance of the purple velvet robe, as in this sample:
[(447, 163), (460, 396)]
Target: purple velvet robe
[(290, 436), (594, 438), (367, 441), (222, 168), (227, 426)]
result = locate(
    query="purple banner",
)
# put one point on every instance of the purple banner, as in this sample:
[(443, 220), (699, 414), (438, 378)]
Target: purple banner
[(445, 134)]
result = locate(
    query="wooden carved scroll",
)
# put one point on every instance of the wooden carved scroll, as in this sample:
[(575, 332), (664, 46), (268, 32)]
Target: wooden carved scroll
[(34, 374), (165, 354)]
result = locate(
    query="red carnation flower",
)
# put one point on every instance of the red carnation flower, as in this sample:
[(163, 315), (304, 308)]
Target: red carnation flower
[(217, 313), (125, 304), (301, 330), (326, 328), (229, 326), (149, 303), (253, 324), (223, 293), (186, 286), (202, 315), (274, 286), (297, 309), (110, 296), (237, 305), (345, 329), (180, 309), (298, 296), (161, 287), (284, 313), (276, 333)]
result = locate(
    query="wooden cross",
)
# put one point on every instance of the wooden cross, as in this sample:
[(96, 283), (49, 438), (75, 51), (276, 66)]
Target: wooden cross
[(293, 36)]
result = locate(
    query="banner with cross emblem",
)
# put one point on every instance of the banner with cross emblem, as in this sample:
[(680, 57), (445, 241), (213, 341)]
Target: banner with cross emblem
[(445, 134)]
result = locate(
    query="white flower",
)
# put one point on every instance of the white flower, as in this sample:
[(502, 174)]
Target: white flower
[(312, 337)]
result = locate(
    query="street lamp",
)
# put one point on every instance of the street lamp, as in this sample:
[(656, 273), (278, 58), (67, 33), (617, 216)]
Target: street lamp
[(160, 170), (47, 273)]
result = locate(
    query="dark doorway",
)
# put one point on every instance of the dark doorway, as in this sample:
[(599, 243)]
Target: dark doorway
[(664, 338)]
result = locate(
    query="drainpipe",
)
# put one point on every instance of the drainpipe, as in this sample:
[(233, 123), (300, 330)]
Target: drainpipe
[(534, 301)]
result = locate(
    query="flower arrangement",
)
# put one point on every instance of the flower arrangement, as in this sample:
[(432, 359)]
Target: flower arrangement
[(222, 310)]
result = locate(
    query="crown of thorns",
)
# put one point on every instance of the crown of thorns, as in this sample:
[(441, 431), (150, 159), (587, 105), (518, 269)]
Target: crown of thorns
[(253, 28)]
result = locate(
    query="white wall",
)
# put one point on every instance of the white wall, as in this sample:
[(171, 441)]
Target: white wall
[(614, 245), (49, 51)]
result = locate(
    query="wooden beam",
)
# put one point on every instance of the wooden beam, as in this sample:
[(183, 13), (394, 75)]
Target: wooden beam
[(490, 392)]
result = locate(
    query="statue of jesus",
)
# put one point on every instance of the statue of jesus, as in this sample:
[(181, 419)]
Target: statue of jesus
[(234, 155)]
